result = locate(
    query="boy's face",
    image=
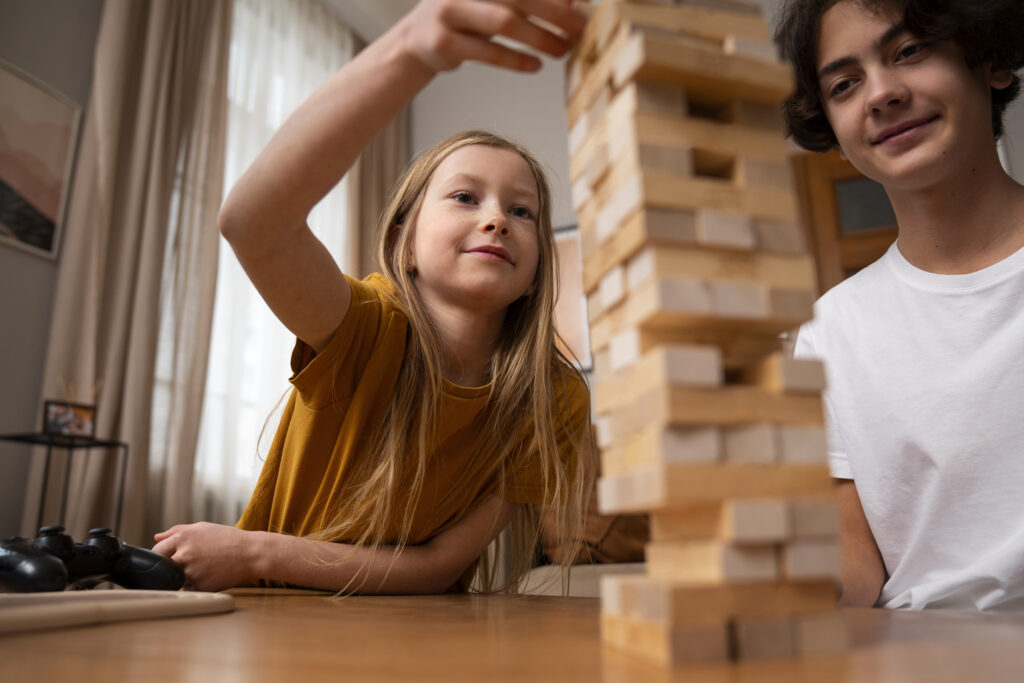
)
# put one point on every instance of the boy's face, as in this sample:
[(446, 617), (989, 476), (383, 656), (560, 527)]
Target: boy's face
[(906, 113)]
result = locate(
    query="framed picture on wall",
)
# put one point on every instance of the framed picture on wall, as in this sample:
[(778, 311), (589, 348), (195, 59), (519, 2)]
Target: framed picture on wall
[(571, 307), (38, 137)]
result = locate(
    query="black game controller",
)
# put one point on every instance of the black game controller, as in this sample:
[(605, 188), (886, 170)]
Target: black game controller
[(25, 568), (101, 557)]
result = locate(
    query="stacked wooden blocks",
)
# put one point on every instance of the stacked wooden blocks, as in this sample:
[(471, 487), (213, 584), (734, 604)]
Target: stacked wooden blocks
[(694, 265)]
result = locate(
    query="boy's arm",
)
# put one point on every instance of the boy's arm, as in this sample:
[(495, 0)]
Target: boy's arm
[(264, 215), (216, 557), (863, 571)]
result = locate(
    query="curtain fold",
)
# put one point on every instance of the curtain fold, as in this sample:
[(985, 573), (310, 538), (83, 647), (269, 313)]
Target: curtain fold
[(370, 183), (146, 189), (280, 52)]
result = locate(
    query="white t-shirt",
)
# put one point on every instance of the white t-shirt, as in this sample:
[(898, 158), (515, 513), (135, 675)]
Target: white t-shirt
[(925, 409)]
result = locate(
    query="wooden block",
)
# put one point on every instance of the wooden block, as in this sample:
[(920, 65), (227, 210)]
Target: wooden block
[(581, 193), (647, 262), (711, 561), (821, 634), (738, 299), (778, 373), (597, 165), (710, 20), (612, 288), (802, 444), (673, 485), (660, 58), (812, 518), (678, 603), (663, 100), (665, 645), (751, 443), (808, 560), (577, 134), (619, 593), (698, 407), (742, 522), (776, 235), (674, 160), (602, 363), (685, 305), (763, 638), (596, 77), (627, 199), (661, 445), (755, 49), (604, 434), (670, 365), (791, 303), (738, 350), (764, 115), (728, 229), (768, 174)]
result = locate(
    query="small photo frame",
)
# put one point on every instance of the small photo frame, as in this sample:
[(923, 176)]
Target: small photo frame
[(69, 419)]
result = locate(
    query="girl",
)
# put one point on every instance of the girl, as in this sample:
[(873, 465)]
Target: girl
[(431, 405)]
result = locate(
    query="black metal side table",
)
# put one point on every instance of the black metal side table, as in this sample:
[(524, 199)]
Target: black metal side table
[(71, 444)]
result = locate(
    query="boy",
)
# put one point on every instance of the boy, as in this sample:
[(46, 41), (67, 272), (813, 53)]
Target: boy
[(925, 347)]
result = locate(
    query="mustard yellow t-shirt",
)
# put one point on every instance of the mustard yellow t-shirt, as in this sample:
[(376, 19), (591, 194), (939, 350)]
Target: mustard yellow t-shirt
[(340, 396)]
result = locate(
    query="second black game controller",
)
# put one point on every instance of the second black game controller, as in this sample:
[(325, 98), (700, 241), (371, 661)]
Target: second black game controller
[(101, 557)]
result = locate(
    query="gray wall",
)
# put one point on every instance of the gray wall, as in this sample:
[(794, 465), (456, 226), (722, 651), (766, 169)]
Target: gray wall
[(53, 41)]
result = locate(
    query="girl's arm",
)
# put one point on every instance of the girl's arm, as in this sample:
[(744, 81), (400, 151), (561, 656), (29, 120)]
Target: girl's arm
[(264, 215), (216, 557)]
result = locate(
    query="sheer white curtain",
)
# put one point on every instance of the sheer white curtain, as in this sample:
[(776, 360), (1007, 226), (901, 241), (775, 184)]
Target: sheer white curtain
[(280, 52)]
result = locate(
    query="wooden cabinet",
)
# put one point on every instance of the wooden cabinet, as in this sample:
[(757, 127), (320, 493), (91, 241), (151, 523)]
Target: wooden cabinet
[(847, 218)]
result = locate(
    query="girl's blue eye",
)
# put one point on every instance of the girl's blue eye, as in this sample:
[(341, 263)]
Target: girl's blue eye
[(463, 197), (522, 212)]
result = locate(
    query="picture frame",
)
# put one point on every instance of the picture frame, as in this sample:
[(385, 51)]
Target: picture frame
[(62, 418), (571, 307), (38, 142)]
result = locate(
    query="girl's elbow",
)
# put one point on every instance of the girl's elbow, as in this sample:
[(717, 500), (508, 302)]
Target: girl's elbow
[(228, 222)]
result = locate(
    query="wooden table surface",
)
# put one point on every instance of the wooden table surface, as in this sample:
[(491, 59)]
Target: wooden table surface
[(285, 637)]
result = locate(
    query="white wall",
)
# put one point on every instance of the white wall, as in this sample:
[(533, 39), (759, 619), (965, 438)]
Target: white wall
[(53, 41)]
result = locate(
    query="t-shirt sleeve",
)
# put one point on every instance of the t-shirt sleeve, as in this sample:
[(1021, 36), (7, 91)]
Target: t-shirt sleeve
[(325, 378), (573, 400), (807, 347)]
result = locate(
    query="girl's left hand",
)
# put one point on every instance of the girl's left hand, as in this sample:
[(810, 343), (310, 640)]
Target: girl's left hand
[(213, 556)]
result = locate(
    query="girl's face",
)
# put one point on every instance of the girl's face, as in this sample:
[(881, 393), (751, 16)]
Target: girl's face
[(476, 234), (906, 113)]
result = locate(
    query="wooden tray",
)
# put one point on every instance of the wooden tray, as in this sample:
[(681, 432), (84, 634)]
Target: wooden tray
[(33, 611)]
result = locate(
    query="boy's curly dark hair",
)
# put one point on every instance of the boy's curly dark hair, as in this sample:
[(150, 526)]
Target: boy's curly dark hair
[(988, 31)]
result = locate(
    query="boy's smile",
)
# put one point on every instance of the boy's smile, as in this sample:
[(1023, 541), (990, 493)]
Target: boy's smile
[(906, 113)]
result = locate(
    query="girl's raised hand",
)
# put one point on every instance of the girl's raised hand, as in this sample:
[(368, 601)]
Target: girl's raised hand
[(444, 33)]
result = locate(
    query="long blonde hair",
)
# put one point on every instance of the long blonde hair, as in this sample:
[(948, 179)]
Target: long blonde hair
[(531, 384)]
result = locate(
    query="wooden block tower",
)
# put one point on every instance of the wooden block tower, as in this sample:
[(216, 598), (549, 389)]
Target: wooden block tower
[(694, 265)]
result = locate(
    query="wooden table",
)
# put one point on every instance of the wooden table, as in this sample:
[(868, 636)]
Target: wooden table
[(282, 637)]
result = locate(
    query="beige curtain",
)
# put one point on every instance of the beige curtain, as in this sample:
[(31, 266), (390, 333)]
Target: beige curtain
[(370, 182), (140, 239)]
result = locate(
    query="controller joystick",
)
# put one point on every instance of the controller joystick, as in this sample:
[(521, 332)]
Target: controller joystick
[(26, 569), (53, 560)]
